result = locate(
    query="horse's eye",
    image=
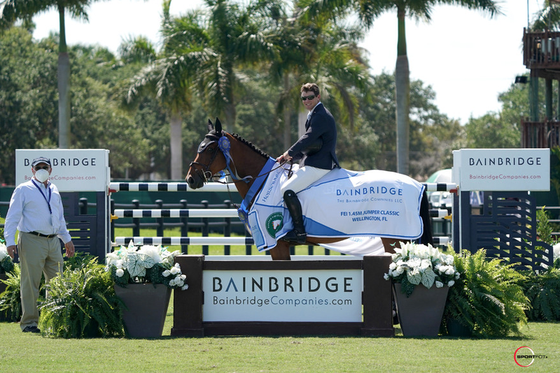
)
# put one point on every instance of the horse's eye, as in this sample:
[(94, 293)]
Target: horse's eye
[(210, 149)]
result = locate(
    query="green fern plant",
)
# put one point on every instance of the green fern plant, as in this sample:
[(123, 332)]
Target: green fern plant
[(82, 303), (543, 290), (487, 298), (10, 299)]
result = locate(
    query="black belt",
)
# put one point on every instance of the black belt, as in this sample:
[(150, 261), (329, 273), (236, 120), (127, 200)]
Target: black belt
[(42, 235)]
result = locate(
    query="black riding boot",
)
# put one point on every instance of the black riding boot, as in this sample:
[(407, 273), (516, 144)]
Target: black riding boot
[(298, 235)]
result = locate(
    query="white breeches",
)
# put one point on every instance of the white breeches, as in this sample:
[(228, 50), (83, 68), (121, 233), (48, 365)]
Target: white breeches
[(302, 178)]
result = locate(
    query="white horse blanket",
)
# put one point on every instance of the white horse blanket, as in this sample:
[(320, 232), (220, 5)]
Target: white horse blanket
[(360, 205)]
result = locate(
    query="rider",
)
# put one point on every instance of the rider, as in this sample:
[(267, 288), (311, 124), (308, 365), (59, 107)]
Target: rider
[(316, 152)]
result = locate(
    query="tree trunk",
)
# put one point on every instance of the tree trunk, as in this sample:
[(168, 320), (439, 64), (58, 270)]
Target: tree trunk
[(287, 142), (176, 143), (402, 83), (63, 86), (230, 117), (229, 108)]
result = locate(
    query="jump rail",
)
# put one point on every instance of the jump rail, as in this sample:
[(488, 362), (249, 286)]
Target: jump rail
[(218, 187), (208, 213), (177, 213), (213, 213), (239, 241), (235, 241)]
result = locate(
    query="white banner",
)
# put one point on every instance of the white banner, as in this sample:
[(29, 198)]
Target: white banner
[(288, 295), (342, 203), (73, 170), (502, 169)]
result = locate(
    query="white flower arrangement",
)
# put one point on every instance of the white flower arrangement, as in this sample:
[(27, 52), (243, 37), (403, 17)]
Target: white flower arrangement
[(415, 264), (147, 263)]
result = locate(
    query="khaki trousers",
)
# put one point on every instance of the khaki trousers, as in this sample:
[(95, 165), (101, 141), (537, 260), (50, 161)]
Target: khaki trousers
[(37, 255)]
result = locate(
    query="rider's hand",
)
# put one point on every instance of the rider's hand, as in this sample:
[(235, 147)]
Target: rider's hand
[(284, 158)]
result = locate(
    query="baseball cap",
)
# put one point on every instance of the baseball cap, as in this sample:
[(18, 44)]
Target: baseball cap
[(38, 160)]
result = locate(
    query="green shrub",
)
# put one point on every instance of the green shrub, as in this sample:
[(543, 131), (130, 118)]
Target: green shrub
[(487, 298), (82, 303), (10, 299), (543, 290)]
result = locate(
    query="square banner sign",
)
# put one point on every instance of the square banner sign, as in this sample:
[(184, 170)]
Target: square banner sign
[(73, 170), (502, 169)]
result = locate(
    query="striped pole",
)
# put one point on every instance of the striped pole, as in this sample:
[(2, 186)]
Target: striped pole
[(169, 187), (177, 213), (441, 187), (239, 241), (209, 213), (442, 240), (219, 187), (439, 213)]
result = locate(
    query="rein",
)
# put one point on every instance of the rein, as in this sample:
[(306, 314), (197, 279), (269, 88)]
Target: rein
[(224, 146)]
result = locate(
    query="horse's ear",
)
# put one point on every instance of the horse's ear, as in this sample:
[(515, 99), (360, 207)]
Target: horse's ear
[(218, 126), (210, 126)]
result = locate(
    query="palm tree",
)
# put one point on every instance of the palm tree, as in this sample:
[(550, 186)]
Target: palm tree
[(168, 78), (368, 11), (13, 10), (547, 18), (212, 44), (289, 37), (202, 50), (316, 50)]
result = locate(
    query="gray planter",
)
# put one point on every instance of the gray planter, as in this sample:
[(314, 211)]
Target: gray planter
[(146, 309), (420, 314)]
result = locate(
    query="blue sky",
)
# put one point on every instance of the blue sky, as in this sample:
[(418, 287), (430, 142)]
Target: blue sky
[(465, 56)]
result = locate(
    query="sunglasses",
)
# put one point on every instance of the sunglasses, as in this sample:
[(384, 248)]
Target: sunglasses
[(37, 168), (310, 97)]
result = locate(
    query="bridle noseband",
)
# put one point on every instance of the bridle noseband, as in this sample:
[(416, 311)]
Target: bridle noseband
[(209, 139), (224, 146)]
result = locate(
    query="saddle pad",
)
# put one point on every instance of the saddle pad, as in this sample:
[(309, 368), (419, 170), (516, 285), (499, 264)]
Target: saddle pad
[(341, 204)]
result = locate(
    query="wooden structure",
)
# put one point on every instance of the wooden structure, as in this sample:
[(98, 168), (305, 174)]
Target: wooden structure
[(541, 55), (376, 298), (506, 229)]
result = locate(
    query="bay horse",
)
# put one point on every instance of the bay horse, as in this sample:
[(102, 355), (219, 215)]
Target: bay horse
[(244, 161)]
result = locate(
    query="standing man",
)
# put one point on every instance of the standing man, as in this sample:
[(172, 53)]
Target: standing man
[(316, 152), (36, 211)]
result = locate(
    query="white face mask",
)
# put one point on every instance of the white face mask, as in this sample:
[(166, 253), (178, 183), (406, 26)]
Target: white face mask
[(42, 175)]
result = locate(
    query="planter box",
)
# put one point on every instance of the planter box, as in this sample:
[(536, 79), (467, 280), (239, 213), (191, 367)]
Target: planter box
[(421, 313), (146, 309)]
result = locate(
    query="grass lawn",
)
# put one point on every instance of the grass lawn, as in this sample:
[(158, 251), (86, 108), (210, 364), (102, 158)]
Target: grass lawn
[(21, 352)]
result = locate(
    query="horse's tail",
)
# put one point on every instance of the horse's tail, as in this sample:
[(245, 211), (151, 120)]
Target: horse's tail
[(426, 237)]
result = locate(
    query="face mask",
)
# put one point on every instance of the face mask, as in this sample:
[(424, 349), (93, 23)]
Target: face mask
[(42, 175)]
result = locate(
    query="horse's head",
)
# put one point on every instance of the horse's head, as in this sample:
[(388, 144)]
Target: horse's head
[(209, 159)]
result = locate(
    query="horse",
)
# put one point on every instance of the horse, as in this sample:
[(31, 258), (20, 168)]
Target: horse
[(220, 150)]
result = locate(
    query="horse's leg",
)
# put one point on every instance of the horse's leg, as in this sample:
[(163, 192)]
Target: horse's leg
[(281, 251), (390, 244)]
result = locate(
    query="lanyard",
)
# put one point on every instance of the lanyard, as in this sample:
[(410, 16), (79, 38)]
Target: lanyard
[(43, 194)]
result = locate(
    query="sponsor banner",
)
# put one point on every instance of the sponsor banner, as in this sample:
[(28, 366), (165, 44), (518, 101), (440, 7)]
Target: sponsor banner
[(288, 295), (73, 170), (502, 169)]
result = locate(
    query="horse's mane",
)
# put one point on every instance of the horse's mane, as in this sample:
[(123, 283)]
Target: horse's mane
[(250, 145)]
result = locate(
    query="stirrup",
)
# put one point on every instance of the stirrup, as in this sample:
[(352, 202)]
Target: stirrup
[(295, 237)]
